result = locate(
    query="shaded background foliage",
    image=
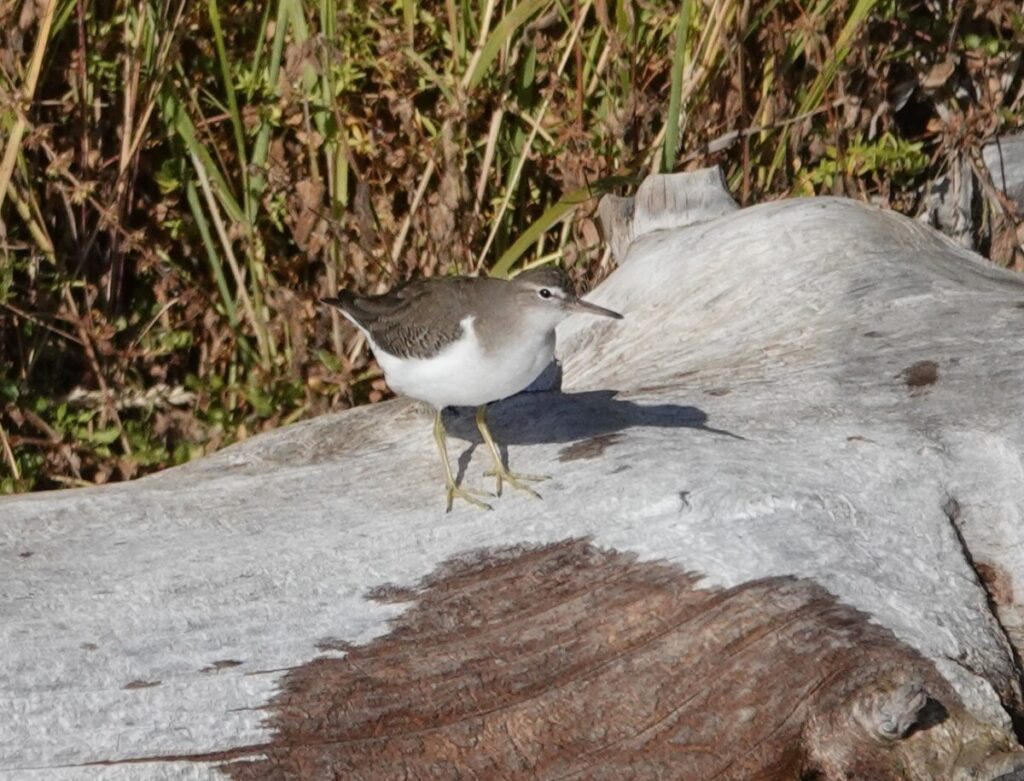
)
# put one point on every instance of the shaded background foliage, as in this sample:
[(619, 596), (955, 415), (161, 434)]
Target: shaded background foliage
[(181, 181)]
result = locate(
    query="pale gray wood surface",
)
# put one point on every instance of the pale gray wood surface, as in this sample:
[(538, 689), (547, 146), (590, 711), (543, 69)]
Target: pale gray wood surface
[(1004, 158), (812, 387)]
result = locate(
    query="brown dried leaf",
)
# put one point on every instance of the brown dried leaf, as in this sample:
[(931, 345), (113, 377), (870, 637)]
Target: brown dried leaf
[(304, 215), (590, 236), (939, 73)]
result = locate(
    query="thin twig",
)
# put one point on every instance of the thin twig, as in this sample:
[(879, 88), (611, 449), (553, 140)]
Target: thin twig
[(37, 421), (229, 254), (71, 482), (9, 454), (485, 26), (41, 323), (485, 167), (726, 140), (403, 230), (163, 310)]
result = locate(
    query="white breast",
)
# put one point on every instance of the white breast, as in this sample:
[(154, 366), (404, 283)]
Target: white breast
[(463, 374)]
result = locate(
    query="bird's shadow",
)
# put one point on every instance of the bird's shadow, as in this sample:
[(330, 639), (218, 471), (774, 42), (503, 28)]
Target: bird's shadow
[(585, 421)]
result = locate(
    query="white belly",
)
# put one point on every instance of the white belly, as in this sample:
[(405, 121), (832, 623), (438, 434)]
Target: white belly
[(463, 374)]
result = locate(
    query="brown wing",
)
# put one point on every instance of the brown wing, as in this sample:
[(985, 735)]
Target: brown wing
[(415, 320)]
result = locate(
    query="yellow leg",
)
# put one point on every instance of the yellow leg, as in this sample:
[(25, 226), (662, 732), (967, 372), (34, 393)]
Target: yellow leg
[(450, 488), (500, 472)]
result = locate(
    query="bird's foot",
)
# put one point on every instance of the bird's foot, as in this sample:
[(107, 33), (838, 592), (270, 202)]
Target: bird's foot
[(503, 475), (453, 491)]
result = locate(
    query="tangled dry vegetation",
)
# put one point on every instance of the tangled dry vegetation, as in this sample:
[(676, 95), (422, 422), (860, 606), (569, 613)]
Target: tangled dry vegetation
[(181, 181)]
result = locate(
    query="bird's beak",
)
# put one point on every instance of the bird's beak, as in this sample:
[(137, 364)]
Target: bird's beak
[(592, 309)]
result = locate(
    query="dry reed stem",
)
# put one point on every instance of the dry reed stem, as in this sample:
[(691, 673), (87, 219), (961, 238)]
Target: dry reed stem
[(28, 92)]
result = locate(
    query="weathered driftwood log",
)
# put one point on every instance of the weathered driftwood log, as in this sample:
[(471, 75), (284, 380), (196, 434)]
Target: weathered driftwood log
[(783, 539), (1004, 158)]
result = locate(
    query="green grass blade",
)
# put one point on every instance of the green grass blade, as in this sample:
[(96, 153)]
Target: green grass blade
[(192, 196), (176, 117), (679, 57), (257, 55), (502, 33), (431, 75), (409, 19), (551, 216), (232, 107), (257, 182)]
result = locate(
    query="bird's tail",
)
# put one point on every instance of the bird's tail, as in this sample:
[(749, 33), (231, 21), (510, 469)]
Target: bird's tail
[(341, 301)]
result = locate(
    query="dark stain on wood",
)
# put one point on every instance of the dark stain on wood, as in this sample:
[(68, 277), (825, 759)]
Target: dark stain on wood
[(221, 664), (571, 661), (953, 510), (873, 334), (25, 554), (998, 582), (389, 593), (920, 375), (718, 392), (588, 448), (333, 644), (141, 684), (88, 646)]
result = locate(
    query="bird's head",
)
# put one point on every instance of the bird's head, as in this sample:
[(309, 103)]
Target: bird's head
[(547, 293)]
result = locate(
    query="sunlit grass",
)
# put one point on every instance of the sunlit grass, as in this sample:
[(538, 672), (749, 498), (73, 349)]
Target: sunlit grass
[(180, 182)]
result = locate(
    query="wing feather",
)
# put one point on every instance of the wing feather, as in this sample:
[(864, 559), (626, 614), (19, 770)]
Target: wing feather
[(410, 321)]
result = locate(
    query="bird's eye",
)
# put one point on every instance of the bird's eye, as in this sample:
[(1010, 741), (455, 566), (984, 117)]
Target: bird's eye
[(544, 293)]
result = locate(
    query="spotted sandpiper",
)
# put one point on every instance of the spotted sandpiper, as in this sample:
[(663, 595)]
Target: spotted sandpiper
[(465, 342)]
